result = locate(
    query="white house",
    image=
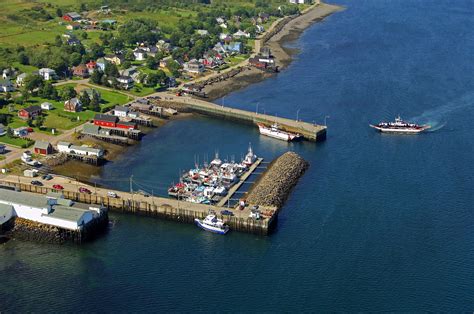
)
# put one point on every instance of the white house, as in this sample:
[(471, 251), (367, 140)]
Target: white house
[(126, 82), (203, 32), (241, 33), (302, 1), (68, 148), (47, 106), (6, 86), (20, 79), (21, 131), (121, 111), (194, 66), (53, 211), (2, 129), (47, 74), (140, 54)]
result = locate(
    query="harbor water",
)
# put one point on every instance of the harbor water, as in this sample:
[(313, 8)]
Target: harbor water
[(377, 223)]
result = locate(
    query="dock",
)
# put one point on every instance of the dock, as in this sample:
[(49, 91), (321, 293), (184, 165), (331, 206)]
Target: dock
[(309, 131)]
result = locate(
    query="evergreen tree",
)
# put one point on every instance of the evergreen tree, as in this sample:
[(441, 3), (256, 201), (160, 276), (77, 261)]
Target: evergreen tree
[(85, 100)]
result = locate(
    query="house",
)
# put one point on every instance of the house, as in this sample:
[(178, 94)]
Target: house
[(165, 62), (223, 25), (219, 48), (47, 74), (73, 105), (129, 72), (194, 66), (260, 28), (73, 26), (163, 46), (126, 82), (6, 86), (91, 66), (71, 16), (29, 113), (21, 131), (116, 59), (2, 129), (220, 20), (20, 79), (43, 148), (234, 47), (101, 62), (47, 106), (73, 41), (302, 1), (2, 149), (121, 111), (8, 73), (140, 54), (241, 33), (150, 50), (68, 148), (202, 32), (81, 70)]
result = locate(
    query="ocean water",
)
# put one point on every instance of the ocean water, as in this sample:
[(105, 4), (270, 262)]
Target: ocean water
[(378, 223)]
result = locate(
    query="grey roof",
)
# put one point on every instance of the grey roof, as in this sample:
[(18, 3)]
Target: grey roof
[(5, 209), (42, 144), (91, 129), (33, 109), (121, 108), (105, 117)]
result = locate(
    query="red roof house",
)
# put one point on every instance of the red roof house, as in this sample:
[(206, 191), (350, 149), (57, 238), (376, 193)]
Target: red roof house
[(30, 112)]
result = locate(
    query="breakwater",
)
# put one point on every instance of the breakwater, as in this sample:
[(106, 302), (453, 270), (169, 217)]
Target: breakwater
[(273, 188)]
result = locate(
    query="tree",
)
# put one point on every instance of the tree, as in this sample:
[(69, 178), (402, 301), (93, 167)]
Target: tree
[(152, 80), (152, 62), (111, 70), (32, 82), (75, 58), (85, 100), (84, 35), (116, 45), (59, 12), (58, 42), (126, 64), (95, 101), (48, 91), (23, 58), (39, 121), (96, 77), (173, 66), (129, 56), (68, 92)]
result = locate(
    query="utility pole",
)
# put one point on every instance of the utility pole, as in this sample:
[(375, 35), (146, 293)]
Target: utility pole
[(297, 114), (256, 111), (326, 117)]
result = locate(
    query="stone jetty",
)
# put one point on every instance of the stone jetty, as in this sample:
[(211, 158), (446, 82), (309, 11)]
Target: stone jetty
[(276, 183)]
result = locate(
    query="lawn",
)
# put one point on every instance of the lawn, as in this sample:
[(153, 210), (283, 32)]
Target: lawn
[(15, 141)]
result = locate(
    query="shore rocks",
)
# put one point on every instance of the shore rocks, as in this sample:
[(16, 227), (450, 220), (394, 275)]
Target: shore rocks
[(276, 183)]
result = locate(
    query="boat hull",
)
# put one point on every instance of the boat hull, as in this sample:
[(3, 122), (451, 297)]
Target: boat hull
[(210, 228), (399, 131), (284, 136)]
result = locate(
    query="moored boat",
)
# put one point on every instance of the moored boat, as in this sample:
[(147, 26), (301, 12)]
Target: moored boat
[(276, 132), (212, 224), (400, 127)]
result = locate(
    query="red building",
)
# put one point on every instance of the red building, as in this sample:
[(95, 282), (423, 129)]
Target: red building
[(43, 148), (108, 121), (30, 112)]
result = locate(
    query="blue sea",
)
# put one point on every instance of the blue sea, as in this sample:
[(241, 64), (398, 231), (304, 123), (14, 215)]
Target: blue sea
[(377, 223)]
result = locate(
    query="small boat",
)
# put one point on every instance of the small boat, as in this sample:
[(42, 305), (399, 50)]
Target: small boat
[(400, 127), (276, 132), (212, 224)]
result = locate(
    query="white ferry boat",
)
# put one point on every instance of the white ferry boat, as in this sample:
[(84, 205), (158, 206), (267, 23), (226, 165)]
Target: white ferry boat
[(212, 224), (276, 132), (400, 127)]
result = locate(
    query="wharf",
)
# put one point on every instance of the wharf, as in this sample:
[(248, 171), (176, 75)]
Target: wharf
[(243, 178), (309, 131), (161, 207)]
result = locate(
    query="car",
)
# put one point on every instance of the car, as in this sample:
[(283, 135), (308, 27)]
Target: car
[(227, 212), (58, 187), (84, 190), (36, 182), (112, 194), (47, 177)]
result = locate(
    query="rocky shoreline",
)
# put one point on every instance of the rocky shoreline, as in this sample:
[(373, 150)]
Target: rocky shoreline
[(274, 186)]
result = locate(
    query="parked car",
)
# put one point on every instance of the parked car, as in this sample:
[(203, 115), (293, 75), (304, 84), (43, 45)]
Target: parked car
[(37, 183), (227, 212), (47, 177), (84, 190), (58, 187), (112, 194)]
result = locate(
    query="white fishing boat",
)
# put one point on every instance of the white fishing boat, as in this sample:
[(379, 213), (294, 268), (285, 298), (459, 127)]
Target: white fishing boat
[(400, 127), (212, 224), (250, 158), (276, 132)]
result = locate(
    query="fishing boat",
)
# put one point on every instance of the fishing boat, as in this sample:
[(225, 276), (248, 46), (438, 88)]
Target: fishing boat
[(276, 132), (400, 127), (250, 158), (212, 224)]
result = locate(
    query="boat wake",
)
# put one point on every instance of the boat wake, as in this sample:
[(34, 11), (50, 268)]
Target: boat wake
[(436, 116)]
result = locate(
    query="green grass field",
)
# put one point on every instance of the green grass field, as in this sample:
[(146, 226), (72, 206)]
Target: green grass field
[(15, 141)]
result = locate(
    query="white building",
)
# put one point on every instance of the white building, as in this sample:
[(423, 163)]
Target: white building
[(47, 106), (68, 148), (20, 79), (6, 86), (47, 74), (54, 211), (140, 54), (121, 111), (241, 33)]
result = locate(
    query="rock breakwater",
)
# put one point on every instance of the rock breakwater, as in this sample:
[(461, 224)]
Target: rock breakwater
[(277, 182)]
